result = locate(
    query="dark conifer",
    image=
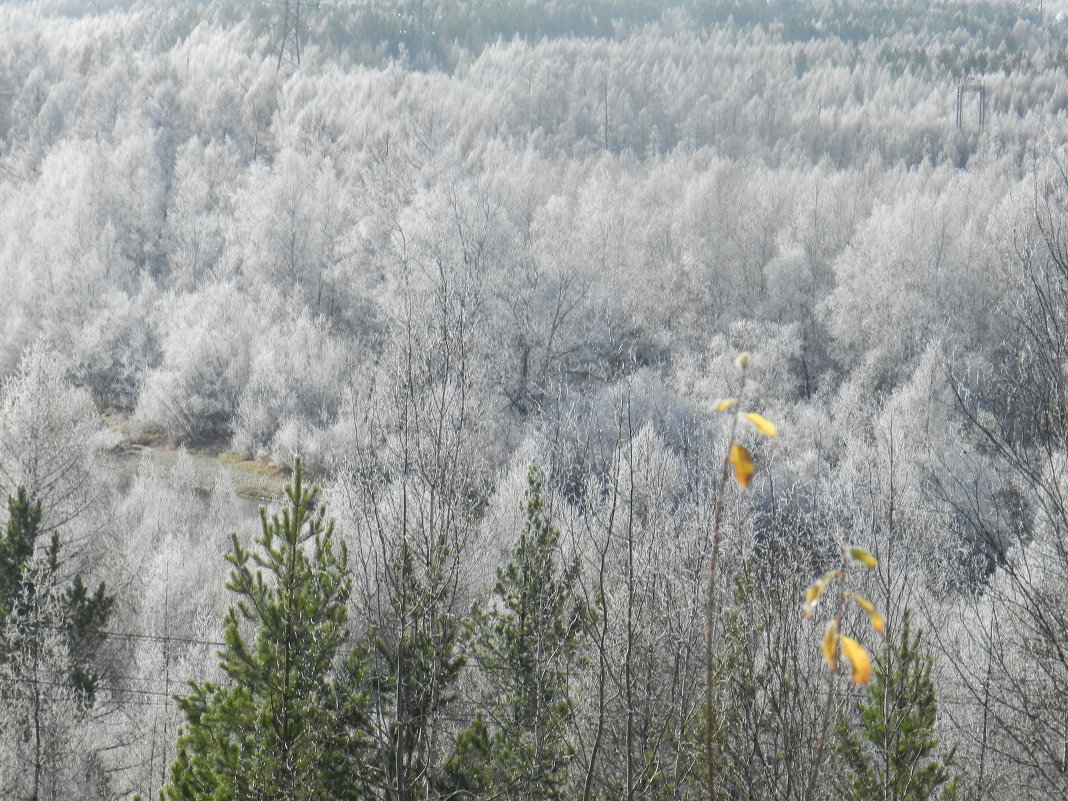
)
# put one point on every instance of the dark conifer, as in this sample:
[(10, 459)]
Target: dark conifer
[(292, 723), (894, 755)]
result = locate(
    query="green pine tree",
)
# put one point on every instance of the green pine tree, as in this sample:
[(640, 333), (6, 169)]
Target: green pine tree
[(467, 772), (51, 629), (17, 547), (413, 673), (893, 755), (291, 724), (526, 643), (28, 582)]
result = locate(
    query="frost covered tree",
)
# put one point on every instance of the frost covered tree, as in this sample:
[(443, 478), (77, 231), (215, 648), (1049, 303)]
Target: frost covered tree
[(48, 430), (205, 353), (413, 491)]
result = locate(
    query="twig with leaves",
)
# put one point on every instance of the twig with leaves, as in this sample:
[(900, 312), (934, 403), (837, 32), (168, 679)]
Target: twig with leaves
[(835, 643), (738, 457)]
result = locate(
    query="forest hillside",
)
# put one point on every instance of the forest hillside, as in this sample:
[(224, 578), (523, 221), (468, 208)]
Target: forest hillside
[(486, 269)]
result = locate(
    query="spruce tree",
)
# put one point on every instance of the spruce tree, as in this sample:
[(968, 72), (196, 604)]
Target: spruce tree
[(17, 547), (415, 667), (893, 754), (291, 724), (526, 643), (28, 582), (51, 630)]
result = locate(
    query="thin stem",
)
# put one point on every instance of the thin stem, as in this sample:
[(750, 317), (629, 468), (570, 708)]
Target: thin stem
[(710, 601), (825, 715)]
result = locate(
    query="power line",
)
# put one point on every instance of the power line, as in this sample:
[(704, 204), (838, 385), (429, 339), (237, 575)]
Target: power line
[(161, 638), (129, 635), (846, 694)]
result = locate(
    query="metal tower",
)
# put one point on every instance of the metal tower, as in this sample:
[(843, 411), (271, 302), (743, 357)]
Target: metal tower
[(965, 88), (289, 45)]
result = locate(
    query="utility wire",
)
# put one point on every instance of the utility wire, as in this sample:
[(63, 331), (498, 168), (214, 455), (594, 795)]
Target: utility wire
[(129, 635)]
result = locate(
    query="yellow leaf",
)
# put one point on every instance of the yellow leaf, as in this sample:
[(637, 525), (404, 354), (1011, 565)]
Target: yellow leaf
[(861, 556), (863, 603), (741, 361), (858, 658), (726, 403), (744, 469), (878, 622), (876, 619), (815, 590), (830, 646), (763, 424)]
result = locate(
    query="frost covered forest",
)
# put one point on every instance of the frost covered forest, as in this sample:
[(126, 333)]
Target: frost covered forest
[(484, 267)]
